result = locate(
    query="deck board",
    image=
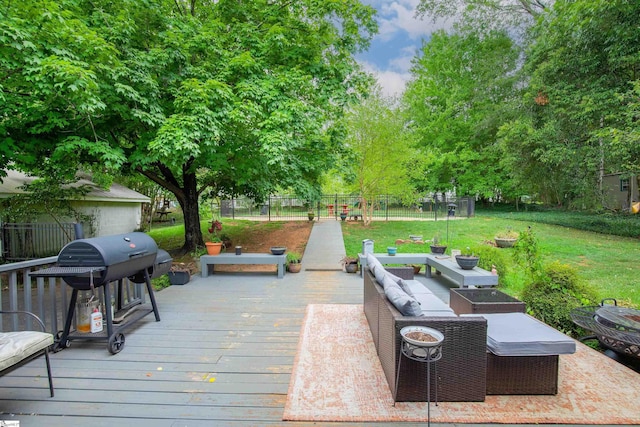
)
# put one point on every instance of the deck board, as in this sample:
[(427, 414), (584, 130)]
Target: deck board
[(221, 354)]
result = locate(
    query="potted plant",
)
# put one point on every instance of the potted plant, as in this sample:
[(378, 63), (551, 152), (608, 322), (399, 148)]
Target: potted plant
[(294, 262), (214, 245), (343, 216), (350, 264), (179, 274), (416, 268), (436, 247), (311, 215), (467, 260), (506, 239)]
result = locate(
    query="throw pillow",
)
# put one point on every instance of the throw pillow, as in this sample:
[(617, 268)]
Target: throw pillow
[(405, 287), (405, 304), (372, 262)]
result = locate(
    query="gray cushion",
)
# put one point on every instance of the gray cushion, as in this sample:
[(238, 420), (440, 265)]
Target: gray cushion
[(405, 304), (388, 281), (372, 262), (414, 287), (518, 334), (431, 305), (380, 274), (406, 287)]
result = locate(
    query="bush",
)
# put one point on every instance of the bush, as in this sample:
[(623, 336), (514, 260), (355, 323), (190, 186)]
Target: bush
[(491, 256), (554, 293)]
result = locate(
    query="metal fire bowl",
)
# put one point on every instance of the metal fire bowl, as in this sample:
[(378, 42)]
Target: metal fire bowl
[(591, 318)]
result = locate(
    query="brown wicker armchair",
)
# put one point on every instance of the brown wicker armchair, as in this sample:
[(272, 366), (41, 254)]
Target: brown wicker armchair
[(461, 373)]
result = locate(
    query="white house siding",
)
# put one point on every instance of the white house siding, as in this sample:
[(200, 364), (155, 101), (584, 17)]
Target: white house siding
[(111, 217)]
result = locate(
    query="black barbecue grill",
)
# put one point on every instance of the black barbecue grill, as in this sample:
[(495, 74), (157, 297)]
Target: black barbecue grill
[(86, 264)]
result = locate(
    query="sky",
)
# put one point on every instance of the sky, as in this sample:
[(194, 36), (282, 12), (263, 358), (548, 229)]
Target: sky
[(399, 39)]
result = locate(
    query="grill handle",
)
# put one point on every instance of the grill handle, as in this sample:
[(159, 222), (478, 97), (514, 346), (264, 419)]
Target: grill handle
[(136, 254)]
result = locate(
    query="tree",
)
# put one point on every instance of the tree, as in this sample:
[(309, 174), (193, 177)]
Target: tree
[(456, 101), (220, 97), (489, 15), (582, 69), (380, 141)]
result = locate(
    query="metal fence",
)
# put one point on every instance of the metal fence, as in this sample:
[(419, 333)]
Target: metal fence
[(34, 240), (386, 208)]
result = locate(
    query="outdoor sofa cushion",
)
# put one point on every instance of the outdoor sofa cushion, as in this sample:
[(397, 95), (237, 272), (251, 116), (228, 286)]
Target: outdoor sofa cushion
[(406, 304), (518, 334)]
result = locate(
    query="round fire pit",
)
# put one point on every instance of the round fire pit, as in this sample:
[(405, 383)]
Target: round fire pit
[(616, 328)]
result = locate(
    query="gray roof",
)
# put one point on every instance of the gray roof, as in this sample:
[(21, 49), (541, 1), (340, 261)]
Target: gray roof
[(11, 184)]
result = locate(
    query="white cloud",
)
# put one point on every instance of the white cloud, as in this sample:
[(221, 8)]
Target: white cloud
[(399, 17), (392, 82)]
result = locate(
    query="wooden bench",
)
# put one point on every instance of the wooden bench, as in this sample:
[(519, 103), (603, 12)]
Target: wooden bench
[(208, 262), (464, 278)]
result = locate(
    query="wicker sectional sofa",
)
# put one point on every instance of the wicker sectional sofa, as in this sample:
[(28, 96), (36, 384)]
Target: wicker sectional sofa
[(460, 375)]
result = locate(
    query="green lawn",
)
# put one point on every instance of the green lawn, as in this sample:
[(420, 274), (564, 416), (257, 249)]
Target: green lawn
[(608, 263)]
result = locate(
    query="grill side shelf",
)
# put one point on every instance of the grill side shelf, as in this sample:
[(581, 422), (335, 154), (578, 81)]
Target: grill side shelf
[(65, 271)]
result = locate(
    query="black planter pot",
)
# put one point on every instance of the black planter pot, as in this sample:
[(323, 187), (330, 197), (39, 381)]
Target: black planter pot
[(467, 262), (343, 216), (179, 277), (438, 249)]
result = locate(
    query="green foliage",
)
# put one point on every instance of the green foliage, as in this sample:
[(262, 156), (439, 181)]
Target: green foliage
[(455, 104), (203, 98), (527, 253), (492, 257), (159, 283), (382, 152), (554, 293), (618, 224), (293, 257)]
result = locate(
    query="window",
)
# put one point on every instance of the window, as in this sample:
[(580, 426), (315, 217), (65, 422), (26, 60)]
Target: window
[(624, 184)]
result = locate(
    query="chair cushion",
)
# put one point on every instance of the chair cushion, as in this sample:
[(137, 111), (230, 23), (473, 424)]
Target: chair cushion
[(16, 346), (405, 304), (431, 305), (518, 334)]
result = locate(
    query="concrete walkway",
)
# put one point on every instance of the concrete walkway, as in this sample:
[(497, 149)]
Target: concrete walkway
[(325, 247)]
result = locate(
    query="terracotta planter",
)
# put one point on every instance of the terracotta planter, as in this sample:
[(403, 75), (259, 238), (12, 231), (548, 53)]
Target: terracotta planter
[(213, 248), (351, 267), (294, 267)]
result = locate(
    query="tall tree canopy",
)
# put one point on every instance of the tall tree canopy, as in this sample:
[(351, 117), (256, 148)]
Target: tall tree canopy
[(226, 96), (574, 123), (383, 152), (456, 103)]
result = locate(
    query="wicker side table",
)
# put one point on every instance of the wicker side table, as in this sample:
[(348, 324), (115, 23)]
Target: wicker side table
[(481, 301)]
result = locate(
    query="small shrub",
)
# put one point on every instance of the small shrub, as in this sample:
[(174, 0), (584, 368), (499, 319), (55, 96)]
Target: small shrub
[(491, 256), (159, 283), (554, 293)]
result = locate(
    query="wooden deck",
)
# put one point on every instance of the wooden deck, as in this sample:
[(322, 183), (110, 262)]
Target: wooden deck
[(221, 355)]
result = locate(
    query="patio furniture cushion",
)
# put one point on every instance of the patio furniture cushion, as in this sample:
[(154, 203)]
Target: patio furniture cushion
[(518, 334), (406, 304), (372, 263), (16, 346)]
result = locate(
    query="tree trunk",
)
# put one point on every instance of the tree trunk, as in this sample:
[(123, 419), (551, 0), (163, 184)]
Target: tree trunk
[(189, 204), (187, 196)]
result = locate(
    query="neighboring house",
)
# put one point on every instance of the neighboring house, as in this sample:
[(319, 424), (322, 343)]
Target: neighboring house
[(620, 192), (113, 211)]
